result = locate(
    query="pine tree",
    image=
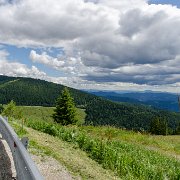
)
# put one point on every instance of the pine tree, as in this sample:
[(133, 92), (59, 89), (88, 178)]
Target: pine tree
[(154, 126), (163, 127), (178, 129), (65, 112), (159, 126)]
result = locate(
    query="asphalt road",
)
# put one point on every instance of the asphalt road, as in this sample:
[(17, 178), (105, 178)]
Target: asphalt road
[(5, 164)]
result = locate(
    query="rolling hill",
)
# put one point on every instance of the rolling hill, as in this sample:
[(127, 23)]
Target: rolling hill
[(99, 111), (160, 100), (34, 92)]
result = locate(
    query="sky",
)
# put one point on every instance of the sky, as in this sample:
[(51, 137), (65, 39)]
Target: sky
[(93, 44)]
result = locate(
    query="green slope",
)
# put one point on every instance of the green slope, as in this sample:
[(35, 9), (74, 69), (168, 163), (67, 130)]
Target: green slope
[(126, 153), (33, 92)]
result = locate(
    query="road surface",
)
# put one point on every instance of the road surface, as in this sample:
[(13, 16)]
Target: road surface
[(5, 163)]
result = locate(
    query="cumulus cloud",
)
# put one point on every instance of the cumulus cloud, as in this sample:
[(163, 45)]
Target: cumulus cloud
[(47, 23), (46, 59), (104, 41), (17, 69), (165, 72), (141, 38), (69, 65)]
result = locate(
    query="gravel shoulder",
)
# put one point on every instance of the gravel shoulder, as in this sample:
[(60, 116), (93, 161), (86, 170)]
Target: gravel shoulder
[(50, 168)]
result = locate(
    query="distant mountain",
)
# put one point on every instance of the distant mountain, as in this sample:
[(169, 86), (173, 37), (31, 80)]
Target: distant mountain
[(100, 111), (160, 100)]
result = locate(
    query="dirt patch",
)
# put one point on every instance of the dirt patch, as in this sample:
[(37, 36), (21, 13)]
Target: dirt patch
[(51, 169)]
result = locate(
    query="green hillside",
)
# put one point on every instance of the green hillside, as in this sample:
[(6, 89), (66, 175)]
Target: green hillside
[(99, 111), (127, 154), (167, 144), (34, 92)]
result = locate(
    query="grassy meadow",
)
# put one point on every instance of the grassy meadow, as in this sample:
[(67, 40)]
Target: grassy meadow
[(128, 154), (45, 113)]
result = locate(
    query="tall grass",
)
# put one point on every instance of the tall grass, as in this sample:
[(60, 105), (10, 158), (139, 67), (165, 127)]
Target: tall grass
[(164, 144), (128, 161)]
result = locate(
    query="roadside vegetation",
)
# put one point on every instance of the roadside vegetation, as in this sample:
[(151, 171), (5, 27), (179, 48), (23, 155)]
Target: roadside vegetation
[(128, 160), (76, 161)]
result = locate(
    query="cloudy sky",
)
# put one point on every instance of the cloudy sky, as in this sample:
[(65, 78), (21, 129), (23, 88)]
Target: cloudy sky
[(93, 44)]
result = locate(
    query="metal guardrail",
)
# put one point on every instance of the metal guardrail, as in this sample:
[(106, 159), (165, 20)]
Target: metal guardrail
[(25, 167)]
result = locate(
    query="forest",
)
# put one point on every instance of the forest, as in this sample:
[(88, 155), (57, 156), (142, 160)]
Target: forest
[(100, 111)]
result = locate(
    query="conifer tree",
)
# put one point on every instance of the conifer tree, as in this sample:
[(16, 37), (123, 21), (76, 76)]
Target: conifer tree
[(178, 129), (65, 112), (154, 126), (158, 126), (163, 127)]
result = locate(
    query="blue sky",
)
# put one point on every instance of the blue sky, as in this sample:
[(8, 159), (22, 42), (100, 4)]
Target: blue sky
[(102, 44), (172, 2)]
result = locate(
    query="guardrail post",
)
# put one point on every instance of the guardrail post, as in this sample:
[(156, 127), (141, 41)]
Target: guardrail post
[(25, 142), (6, 118)]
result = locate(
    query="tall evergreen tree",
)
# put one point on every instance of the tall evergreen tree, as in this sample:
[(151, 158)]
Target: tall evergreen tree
[(65, 112), (163, 127), (159, 126), (178, 129), (154, 126)]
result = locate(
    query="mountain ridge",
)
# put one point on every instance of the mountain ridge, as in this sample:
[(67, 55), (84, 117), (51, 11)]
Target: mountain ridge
[(160, 100), (100, 111)]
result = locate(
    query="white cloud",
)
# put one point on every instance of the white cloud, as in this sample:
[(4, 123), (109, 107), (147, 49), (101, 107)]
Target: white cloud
[(46, 59), (2, 2), (166, 72), (50, 23), (123, 5), (17, 69), (70, 66), (104, 41)]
